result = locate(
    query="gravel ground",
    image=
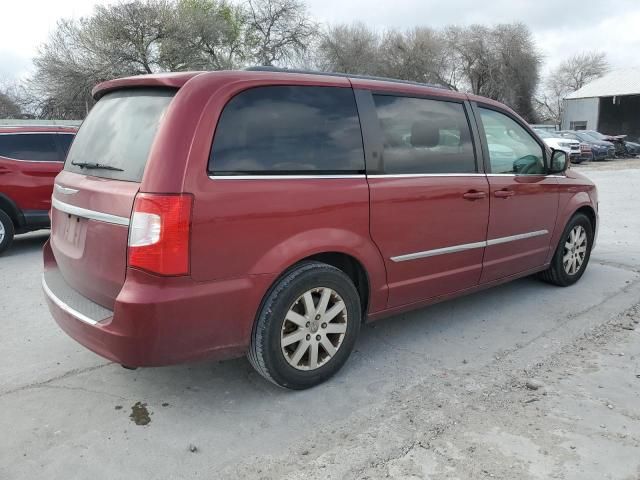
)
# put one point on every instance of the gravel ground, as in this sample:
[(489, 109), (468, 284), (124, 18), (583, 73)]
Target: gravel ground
[(521, 381)]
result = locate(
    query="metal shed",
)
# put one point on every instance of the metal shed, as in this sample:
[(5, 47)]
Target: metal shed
[(610, 104)]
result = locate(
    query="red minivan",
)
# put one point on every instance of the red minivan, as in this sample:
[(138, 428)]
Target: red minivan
[(270, 213), (30, 159)]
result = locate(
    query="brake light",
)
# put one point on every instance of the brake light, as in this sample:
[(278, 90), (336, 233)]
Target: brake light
[(159, 233)]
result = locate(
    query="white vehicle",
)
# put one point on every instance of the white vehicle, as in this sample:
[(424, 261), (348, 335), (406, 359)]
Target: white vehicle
[(567, 145)]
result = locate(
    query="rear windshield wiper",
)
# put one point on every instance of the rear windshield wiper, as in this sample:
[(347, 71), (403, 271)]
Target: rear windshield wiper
[(90, 165)]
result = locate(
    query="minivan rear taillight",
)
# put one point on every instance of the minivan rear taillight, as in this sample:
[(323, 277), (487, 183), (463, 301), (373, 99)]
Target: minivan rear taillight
[(159, 233)]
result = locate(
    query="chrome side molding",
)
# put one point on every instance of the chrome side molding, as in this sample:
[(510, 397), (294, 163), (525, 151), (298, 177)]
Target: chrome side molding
[(90, 214), (467, 246)]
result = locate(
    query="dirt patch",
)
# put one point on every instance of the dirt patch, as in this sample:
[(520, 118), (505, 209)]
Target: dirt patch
[(139, 414)]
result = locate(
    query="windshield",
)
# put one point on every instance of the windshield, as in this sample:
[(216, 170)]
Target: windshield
[(594, 134), (584, 137), (543, 134), (115, 139)]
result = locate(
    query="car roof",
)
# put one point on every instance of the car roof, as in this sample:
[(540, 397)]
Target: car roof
[(178, 80), (38, 129)]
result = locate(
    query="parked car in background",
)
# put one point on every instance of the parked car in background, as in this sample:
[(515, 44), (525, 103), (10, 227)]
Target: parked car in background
[(269, 213), (567, 145), (623, 147), (30, 159), (600, 149)]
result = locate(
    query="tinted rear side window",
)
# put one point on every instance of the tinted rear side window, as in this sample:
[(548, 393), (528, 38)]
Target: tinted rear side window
[(424, 136), (64, 141), (30, 146), (287, 129), (119, 132)]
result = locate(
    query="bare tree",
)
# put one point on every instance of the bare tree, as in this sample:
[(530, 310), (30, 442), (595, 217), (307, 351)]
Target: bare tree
[(349, 49), (8, 107), (118, 40), (501, 62), (418, 54), (578, 70), (278, 31), (570, 75)]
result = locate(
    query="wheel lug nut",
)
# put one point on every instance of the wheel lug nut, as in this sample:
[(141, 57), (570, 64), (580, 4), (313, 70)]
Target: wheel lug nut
[(308, 337), (318, 337), (324, 325), (317, 317), (307, 325)]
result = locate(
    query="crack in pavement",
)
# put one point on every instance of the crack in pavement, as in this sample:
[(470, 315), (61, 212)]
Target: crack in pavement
[(68, 374)]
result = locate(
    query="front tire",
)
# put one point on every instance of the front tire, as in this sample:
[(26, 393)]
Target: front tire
[(572, 254), (307, 326), (7, 231)]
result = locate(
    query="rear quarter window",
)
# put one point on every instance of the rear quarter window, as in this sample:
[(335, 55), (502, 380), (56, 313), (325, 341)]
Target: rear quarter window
[(288, 130), (119, 132), (35, 147)]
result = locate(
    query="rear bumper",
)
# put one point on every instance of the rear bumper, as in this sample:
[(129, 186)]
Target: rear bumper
[(162, 320)]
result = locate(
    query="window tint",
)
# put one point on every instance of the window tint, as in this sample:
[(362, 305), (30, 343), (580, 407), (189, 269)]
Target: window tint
[(64, 141), (424, 136), (30, 146), (511, 148), (119, 132), (287, 129)]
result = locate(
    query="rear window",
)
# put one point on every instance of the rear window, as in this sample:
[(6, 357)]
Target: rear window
[(35, 147), (118, 133), (289, 130)]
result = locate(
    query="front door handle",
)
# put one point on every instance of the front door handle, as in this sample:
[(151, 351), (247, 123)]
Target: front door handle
[(474, 195), (505, 193)]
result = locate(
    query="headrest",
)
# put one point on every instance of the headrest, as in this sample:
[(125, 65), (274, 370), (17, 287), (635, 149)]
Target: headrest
[(425, 133)]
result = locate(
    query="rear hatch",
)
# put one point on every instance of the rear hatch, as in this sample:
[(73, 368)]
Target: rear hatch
[(94, 194)]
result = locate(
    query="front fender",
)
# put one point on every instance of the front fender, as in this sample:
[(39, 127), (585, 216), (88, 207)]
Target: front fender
[(324, 240), (570, 202)]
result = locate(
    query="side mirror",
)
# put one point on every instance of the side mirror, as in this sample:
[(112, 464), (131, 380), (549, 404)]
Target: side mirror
[(559, 161)]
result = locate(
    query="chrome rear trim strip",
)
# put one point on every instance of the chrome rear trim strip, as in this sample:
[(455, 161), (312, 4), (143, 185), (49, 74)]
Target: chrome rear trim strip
[(64, 190), (467, 246), (74, 313), (91, 214)]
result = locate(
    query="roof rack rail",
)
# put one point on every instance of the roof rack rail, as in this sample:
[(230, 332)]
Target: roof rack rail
[(345, 75)]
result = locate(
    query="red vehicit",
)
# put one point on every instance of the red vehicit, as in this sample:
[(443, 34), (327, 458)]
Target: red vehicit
[(30, 159), (270, 213)]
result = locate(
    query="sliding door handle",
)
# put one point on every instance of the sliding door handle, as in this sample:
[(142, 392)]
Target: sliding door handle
[(474, 195), (505, 193)]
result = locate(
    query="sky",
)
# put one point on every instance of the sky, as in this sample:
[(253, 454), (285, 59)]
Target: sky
[(561, 28)]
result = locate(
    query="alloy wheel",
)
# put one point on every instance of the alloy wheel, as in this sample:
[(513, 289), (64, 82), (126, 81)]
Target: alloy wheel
[(314, 328), (2, 232), (575, 250)]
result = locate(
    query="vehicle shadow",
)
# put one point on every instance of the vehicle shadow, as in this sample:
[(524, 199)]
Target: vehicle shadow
[(29, 242), (227, 408), (464, 333)]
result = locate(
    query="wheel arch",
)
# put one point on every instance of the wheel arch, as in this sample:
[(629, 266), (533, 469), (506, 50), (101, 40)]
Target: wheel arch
[(346, 250), (578, 203), (11, 209), (590, 212)]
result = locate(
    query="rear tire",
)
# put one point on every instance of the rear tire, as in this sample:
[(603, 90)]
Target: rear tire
[(572, 254), (7, 231), (307, 326)]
